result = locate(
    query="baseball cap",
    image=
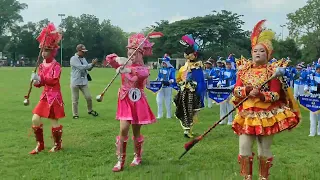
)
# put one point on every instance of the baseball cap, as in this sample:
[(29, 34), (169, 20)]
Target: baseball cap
[(81, 47)]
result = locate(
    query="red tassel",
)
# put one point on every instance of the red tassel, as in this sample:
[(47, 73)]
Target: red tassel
[(190, 144)]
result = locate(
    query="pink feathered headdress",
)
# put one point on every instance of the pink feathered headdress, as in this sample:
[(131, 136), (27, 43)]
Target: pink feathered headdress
[(49, 37), (136, 39)]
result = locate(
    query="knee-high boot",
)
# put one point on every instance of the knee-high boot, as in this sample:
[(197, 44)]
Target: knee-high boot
[(57, 138), (246, 163), (138, 142), (121, 149), (264, 166), (38, 132)]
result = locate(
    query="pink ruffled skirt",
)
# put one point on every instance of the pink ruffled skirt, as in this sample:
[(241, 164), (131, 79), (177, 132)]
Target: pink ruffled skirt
[(138, 112)]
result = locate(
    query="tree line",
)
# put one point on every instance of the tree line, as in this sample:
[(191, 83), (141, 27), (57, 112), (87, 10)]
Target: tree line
[(218, 34)]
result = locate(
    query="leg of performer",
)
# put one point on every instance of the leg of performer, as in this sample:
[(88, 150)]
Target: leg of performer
[(265, 157), (301, 90), (37, 128), (223, 109), (75, 100), (189, 113), (206, 97), (229, 108), (318, 119), (296, 90), (313, 124), (138, 140), (159, 99), (245, 157), (209, 100), (168, 100), (121, 145), (86, 93), (56, 131)]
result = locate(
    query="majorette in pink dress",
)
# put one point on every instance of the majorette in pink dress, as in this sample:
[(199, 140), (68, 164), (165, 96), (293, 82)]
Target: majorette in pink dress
[(132, 101)]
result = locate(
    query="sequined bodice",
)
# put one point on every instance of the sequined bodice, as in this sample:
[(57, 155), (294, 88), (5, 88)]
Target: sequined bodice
[(254, 77)]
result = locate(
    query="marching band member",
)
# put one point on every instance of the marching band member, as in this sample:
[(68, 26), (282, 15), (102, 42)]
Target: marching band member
[(313, 87), (300, 77), (227, 79), (219, 63), (133, 108), (51, 104), (289, 76), (232, 60), (209, 73), (190, 78), (167, 76), (266, 112)]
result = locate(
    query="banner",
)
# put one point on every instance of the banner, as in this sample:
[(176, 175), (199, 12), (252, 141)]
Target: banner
[(219, 95), (155, 86), (211, 83), (311, 102)]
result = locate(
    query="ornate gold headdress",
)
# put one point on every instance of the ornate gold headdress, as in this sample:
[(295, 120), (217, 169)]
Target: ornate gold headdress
[(261, 36)]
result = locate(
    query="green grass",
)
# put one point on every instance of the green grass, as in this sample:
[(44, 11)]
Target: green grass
[(89, 151)]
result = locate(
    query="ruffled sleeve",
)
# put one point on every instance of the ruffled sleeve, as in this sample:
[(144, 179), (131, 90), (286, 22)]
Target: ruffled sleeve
[(111, 60), (274, 93), (239, 90)]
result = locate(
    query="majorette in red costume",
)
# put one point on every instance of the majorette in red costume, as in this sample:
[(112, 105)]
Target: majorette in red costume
[(51, 104), (133, 108), (269, 110)]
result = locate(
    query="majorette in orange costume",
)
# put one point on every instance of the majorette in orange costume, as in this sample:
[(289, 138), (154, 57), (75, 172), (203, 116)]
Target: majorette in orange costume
[(51, 104), (269, 110)]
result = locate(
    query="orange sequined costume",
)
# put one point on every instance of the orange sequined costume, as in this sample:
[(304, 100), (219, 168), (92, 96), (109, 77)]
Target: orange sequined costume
[(269, 112)]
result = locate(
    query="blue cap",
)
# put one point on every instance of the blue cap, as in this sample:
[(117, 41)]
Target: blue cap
[(166, 58), (167, 63), (228, 61)]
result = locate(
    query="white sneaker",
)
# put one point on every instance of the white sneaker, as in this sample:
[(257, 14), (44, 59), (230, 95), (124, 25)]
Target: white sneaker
[(311, 135)]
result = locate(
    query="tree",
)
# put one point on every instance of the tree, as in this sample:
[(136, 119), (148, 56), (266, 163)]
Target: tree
[(304, 27), (287, 48), (100, 39), (217, 34), (9, 14)]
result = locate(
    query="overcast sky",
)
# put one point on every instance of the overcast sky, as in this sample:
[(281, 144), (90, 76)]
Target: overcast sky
[(134, 15)]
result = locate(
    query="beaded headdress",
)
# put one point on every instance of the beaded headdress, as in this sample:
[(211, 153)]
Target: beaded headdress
[(262, 36), (49, 37)]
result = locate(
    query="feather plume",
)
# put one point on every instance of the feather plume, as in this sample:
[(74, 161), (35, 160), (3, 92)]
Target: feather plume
[(256, 32), (49, 37), (266, 35)]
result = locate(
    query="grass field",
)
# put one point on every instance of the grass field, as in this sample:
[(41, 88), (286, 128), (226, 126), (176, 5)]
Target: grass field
[(89, 151)]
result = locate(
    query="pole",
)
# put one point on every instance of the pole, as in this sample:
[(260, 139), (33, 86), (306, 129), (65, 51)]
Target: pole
[(61, 15)]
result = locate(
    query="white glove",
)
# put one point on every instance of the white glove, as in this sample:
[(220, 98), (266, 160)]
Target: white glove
[(123, 70), (171, 81), (35, 77), (35, 82), (219, 84)]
